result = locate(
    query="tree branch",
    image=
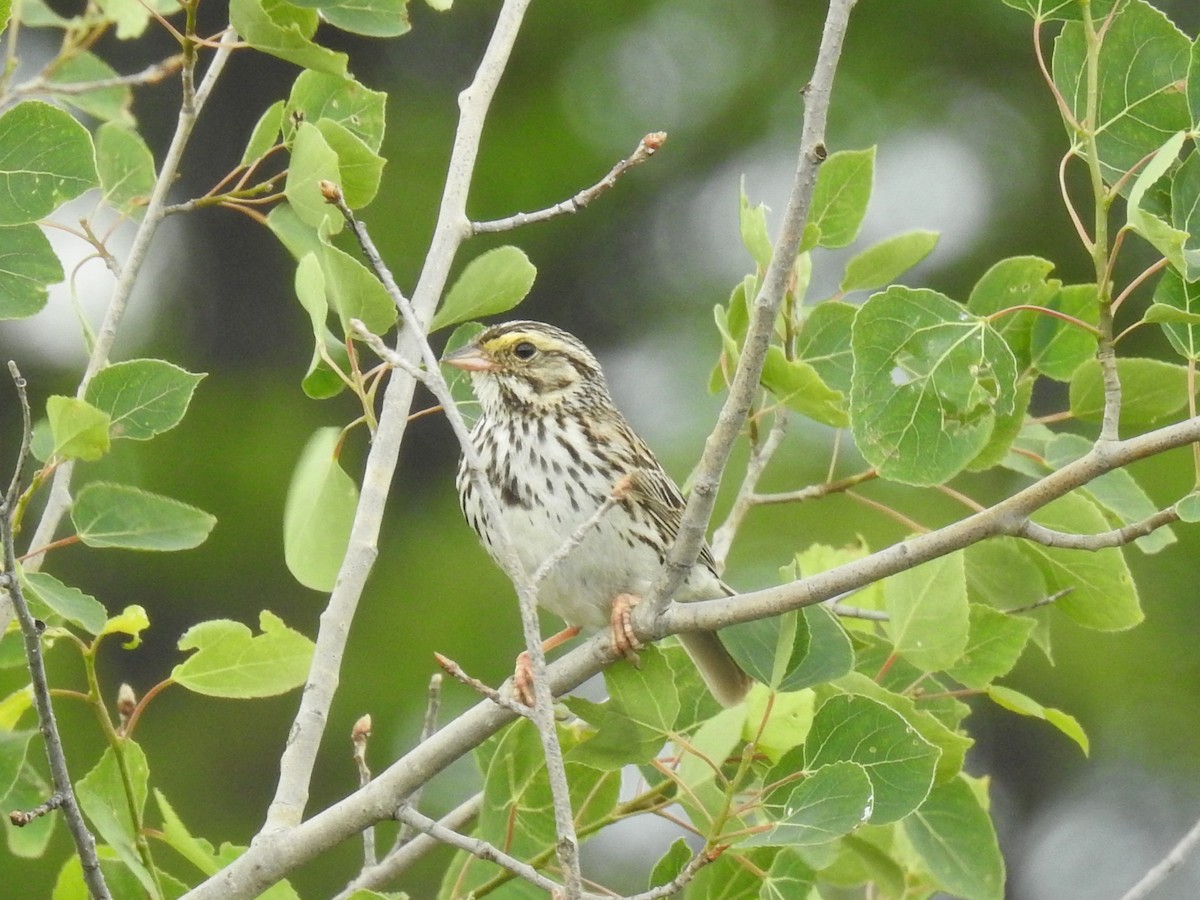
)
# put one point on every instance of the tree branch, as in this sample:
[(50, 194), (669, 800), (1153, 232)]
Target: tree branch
[(686, 547), (273, 857), (647, 147), (299, 757), (1172, 861), (85, 843)]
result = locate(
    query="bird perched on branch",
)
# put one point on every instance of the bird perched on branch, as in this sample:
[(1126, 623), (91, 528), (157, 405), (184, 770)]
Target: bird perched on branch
[(554, 447)]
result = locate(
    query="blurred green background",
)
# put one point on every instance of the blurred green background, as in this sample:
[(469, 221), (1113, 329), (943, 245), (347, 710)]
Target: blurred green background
[(969, 142)]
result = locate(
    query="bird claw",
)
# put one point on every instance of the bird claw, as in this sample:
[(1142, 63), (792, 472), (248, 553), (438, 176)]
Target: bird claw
[(523, 679), (624, 642)]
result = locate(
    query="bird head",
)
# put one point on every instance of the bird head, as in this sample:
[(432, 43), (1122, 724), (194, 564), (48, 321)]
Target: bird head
[(529, 366)]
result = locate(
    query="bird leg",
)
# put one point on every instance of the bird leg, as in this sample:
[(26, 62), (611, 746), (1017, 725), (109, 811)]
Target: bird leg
[(523, 673), (624, 641)]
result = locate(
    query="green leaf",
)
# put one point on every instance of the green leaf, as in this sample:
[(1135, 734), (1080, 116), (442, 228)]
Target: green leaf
[(1166, 239), (132, 620), (899, 762), (355, 292), (1185, 210), (102, 797), (1006, 430), (458, 380), (1103, 595), (767, 648), (283, 30), (839, 200), (1151, 391), (320, 381), (317, 95), (1143, 62), (1017, 281), (230, 662), (197, 851), (28, 266), (493, 282), (796, 384), (831, 802), (1064, 10), (126, 168), (789, 877), (1188, 507), (883, 263), (374, 18), (824, 343), (313, 161), (1026, 706), (928, 612), (1193, 84), (14, 746), (142, 397), (46, 159), (319, 513), (1058, 348), (777, 722), (938, 730), (80, 430), (1116, 491), (1177, 306), (117, 515), (71, 603), (929, 381), (753, 222), (670, 864), (956, 839), (106, 103), (265, 133), (1166, 313), (360, 168), (995, 643)]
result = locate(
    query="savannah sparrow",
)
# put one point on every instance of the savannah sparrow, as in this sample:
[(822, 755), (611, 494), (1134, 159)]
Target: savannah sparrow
[(554, 447)]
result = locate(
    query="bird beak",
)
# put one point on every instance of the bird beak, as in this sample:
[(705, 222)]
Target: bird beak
[(470, 359)]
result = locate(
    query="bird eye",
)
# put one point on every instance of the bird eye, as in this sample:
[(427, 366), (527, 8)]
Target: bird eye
[(524, 350)]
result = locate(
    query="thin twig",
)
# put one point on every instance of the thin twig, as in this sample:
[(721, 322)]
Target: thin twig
[(429, 725), (760, 456), (479, 848), (85, 843), (400, 859), (22, 817), (455, 671), (526, 587), (1040, 603), (1172, 861), (1118, 537), (647, 147), (685, 548), (679, 882), (360, 734), (816, 491), (152, 74), (452, 227)]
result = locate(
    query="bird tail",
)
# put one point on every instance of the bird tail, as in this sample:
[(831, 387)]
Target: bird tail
[(725, 679)]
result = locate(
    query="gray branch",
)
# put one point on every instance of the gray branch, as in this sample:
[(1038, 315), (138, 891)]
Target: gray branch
[(686, 547), (85, 843)]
